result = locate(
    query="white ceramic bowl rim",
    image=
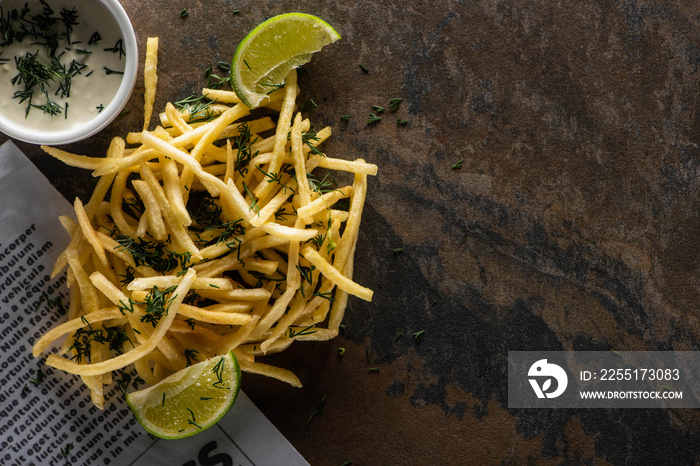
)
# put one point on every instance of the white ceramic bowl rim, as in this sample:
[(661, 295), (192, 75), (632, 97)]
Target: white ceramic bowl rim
[(111, 111)]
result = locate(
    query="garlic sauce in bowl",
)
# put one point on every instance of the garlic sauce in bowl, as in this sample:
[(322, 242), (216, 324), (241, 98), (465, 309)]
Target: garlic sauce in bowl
[(67, 68)]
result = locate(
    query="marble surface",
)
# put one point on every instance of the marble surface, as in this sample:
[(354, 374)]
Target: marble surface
[(572, 223)]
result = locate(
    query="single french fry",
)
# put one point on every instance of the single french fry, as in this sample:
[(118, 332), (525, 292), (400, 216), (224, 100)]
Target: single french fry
[(89, 298), (219, 95), (271, 207), (150, 79), (214, 317), (166, 281), (355, 166), (115, 151), (327, 200), (115, 205), (176, 120), (335, 276), (156, 225), (283, 125), (271, 371), (74, 160), (274, 313), (175, 227)]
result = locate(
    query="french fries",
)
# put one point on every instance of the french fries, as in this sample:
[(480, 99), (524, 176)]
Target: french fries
[(206, 237)]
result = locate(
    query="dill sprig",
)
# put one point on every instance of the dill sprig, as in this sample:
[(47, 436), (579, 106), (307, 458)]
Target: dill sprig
[(95, 38), (243, 143), (154, 254), (306, 273), (328, 296), (321, 186), (309, 138), (394, 104), (122, 380), (260, 277), (274, 178), (191, 355), (274, 87), (308, 105), (281, 215), (157, 304), (319, 409), (207, 215), (109, 71), (215, 81), (296, 332), (218, 371), (373, 118), (46, 29), (128, 276), (114, 337), (66, 451), (254, 205), (51, 302), (38, 378), (117, 48), (198, 107), (192, 421)]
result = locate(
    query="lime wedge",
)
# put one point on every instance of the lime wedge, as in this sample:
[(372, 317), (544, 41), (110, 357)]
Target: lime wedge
[(269, 52), (190, 400)]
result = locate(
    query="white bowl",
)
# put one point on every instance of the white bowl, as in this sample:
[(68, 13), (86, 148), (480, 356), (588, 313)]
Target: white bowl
[(110, 111)]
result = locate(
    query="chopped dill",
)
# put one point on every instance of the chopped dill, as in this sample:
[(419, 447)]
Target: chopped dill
[(192, 421), (215, 81), (157, 304), (197, 107), (38, 378), (308, 105), (294, 332), (95, 38), (243, 143), (254, 206), (109, 71), (373, 119), (319, 409), (118, 48), (191, 355), (394, 104)]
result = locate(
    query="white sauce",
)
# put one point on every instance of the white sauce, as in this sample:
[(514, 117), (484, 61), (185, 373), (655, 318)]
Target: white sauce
[(91, 90)]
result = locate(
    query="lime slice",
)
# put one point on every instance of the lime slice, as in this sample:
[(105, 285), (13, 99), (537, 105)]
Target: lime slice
[(269, 52), (190, 400)]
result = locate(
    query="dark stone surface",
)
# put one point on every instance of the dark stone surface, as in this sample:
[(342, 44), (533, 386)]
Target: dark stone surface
[(572, 223)]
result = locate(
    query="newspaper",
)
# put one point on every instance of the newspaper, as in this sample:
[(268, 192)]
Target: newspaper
[(46, 417)]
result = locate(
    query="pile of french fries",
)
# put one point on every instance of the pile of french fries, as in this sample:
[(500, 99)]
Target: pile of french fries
[(193, 244)]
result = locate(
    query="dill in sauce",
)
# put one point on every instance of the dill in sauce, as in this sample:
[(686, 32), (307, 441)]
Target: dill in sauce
[(49, 50)]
